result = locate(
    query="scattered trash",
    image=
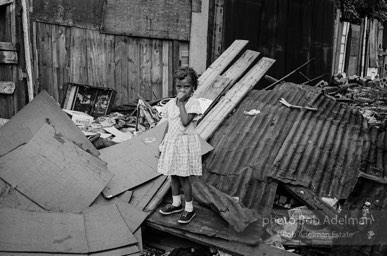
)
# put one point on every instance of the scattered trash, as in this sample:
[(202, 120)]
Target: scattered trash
[(252, 112), (283, 101)]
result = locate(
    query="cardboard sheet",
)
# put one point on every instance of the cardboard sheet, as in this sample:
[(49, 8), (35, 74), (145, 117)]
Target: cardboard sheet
[(106, 229), (42, 110), (25, 231), (54, 172), (144, 193)]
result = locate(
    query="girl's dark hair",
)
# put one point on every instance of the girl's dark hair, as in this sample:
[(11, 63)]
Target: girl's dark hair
[(183, 72)]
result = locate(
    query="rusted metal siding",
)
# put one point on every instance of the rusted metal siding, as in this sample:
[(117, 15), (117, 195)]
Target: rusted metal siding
[(375, 158), (320, 150), (289, 31), (323, 150), (246, 146), (126, 64)]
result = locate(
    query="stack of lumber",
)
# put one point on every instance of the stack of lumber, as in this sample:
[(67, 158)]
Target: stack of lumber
[(60, 195)]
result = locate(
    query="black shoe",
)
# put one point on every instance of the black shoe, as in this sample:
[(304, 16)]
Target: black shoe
[(186, 217), (169, 209)]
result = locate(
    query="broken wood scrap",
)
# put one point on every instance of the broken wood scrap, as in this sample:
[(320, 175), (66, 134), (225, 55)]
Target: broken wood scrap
[(311, 200), (7, 87), (54, 172), (381, 180)]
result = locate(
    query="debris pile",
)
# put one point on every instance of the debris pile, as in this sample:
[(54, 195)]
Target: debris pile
[(367, 95)]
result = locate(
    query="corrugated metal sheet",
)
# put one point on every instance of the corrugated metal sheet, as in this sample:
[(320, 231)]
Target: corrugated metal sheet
[(375, 157), (320, 150), (246, 146), (323, 149)]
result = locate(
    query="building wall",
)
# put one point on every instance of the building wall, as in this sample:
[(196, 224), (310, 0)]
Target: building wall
[(290, 31)]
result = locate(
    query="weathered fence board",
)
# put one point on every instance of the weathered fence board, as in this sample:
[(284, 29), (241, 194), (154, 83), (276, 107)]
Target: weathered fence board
[(8, 57), (129, 65), (8, 46), (7, 87)]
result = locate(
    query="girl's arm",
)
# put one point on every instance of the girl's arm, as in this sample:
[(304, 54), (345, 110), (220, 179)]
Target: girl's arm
[(186, 118)]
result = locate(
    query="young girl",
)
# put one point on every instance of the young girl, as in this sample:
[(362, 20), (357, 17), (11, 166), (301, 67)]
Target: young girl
[(180, 149)]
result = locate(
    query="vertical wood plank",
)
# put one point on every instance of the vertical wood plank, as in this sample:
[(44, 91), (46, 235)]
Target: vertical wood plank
[(110, 62), (124, 71), (165, 73), (55, 62), (78, 59), (170, 68), (119, 51), (133, 69), (156, 69), (145, 74)]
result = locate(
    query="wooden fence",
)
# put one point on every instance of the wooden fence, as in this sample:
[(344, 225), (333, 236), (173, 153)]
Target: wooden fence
[(129, 65)]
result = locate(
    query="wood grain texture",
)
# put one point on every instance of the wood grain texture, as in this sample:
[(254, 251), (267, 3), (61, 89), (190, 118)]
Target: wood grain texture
[(8, 57), (83, 14), (7, 87), (215, 117), (153, 19)]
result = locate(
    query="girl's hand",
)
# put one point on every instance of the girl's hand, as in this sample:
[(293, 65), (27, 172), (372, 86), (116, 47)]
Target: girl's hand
[(180, 97)]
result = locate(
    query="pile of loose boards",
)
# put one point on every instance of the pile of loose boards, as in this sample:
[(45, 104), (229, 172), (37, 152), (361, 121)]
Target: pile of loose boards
[(60, 195)]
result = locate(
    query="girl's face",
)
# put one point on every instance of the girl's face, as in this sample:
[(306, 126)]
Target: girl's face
[(184, 86)]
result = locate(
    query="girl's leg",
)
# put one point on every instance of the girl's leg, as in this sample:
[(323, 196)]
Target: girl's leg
[(189, 212), (176, 205), (187, 188), (175, 187)]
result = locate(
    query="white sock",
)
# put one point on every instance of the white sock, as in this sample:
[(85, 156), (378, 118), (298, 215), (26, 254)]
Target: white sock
[(176, 200), (188, 206)]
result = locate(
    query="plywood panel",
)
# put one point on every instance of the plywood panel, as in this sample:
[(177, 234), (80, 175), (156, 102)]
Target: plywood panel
[(166, 19), (54, 172)]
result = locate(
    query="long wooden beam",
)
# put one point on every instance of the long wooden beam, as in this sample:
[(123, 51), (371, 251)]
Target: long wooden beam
[(224, 107)]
